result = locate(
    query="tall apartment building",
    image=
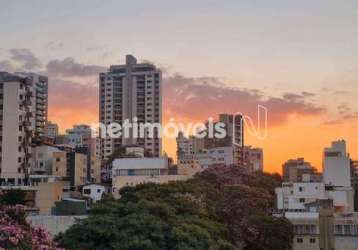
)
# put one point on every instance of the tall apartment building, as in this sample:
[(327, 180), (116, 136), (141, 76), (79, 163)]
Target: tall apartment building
[(336, 165), (354, 182), (126, 92), (23, 113)]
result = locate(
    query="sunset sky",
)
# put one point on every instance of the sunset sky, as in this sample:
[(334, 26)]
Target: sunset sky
[(297, 58)]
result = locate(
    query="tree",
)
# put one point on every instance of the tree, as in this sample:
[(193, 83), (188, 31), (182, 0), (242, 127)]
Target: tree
[(135, 223), (244, 206), (220, 208), (12, 197), (16, 233), (269, 233)]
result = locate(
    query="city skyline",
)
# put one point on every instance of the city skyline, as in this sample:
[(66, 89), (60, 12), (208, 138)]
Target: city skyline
[(306, 77)]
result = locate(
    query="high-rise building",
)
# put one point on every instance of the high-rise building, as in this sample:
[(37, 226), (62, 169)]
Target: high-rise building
[(354, 182), (130, 91), (23, 108), (336, 165)]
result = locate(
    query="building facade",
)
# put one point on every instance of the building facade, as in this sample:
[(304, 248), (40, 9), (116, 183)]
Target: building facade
[(51, 130), (134, 171), (298, 170), (70, 166), (354, 182), (42, 159), (322, 229), (254, 158), (131, 92), (79, 135), (336, 165), (23, 108)]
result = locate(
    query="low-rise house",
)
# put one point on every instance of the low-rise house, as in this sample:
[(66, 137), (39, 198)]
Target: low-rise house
[(93, 191)]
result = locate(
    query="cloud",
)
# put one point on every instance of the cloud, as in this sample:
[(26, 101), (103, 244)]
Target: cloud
[(70, 68), (342, 119), (200, 98), (6, 65), (71, 102), (54, 45), (341, 92), (344, 113), (26, 58), (343, 109), (187, 98)]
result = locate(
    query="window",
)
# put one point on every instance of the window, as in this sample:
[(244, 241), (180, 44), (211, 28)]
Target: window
[(58, 159), (313, 240), (301, 189), (299, 240), (302, 200), (87, 191)]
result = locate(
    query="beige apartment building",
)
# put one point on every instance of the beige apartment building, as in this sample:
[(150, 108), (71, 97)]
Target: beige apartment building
[(72, 166), (47, 194)]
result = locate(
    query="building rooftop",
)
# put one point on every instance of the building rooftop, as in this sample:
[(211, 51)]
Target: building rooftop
[(140, 163)]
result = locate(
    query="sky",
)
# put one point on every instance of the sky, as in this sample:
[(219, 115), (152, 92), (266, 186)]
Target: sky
[(297, 58)]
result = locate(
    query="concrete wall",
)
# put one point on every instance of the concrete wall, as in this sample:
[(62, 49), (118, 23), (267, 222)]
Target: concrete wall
[(120, 181), (10, 132), (47, 194), (54, 224)]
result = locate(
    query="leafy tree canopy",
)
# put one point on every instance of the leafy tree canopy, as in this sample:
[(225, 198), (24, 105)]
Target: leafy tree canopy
[(220, 208)]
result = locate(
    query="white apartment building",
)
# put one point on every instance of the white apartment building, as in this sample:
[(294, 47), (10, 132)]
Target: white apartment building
[(217, 156), (51, 130), (129, 91), (194, 163), (336, 184), (295, 196), (23, 107), (336, 165), (94, 192)]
